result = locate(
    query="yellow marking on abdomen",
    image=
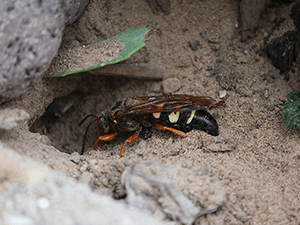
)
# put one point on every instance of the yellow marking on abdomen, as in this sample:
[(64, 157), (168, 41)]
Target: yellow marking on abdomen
[(191, 117), (174, 117), (156, 115)]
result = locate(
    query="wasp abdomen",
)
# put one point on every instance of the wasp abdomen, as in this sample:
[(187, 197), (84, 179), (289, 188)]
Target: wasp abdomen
[(202, 120), (186, 121)]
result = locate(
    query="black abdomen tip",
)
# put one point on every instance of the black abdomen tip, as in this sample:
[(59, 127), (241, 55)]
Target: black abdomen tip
[(206, 122)]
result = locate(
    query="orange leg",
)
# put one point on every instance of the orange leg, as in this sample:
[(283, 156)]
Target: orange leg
[(107, 137), (129, 140), (173, 130)]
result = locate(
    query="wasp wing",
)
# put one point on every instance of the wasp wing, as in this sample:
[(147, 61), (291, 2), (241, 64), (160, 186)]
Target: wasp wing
[(164, 103)]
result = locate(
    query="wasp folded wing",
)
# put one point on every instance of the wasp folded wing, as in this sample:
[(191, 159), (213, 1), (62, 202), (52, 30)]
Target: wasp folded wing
[(164, 103)]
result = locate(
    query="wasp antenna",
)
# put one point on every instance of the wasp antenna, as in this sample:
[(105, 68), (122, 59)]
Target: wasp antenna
[(84, 119), (86, 131), (84, 137)]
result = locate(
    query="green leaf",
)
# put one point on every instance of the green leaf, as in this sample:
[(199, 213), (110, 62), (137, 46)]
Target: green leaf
[(291, 110), (130, 39)]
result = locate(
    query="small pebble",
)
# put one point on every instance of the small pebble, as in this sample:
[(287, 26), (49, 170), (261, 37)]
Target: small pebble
[(209, 68), (44, 140), (185, 29), (84, 167), (219, 60), (222, 94), (283, 99), (261, 60), (194, 45), (277, 109), (266, 93), (9, 118), (215, 46), (74, 157), (156, 87), (171, 85), (217, 147), (248, 93)]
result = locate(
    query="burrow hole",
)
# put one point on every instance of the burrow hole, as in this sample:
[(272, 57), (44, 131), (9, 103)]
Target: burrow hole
[(96, 93)]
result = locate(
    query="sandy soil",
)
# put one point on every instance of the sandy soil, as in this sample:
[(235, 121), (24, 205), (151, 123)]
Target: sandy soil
[(253, 157)]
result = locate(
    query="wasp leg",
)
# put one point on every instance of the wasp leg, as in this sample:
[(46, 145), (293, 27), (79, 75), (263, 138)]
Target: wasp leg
[(129, 140), (107, 137), (173, 130)]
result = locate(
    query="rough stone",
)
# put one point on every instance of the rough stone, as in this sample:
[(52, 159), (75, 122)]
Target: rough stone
[(29, 41), (30, 193), (9, 118), (171, 85), (75, 157), (173, 191), (74, 10)]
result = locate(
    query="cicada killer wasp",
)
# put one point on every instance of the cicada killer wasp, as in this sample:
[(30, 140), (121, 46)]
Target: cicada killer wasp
[(175, 113)]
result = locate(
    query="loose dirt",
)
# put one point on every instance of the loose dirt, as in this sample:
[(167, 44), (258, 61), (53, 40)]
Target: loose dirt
[(253, 157)]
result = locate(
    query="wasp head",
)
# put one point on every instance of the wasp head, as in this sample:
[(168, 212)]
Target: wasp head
[(103, 122)]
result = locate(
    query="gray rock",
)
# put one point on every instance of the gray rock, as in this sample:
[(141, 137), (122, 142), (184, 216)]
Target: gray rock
[(226, 76), (173, 191), (9, 118), (75, 157), (171, 85), (30, 193), (74, 9), (30, 34)]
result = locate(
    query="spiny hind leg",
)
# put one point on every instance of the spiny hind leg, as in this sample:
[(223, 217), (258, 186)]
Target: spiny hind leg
[(173, 130)]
